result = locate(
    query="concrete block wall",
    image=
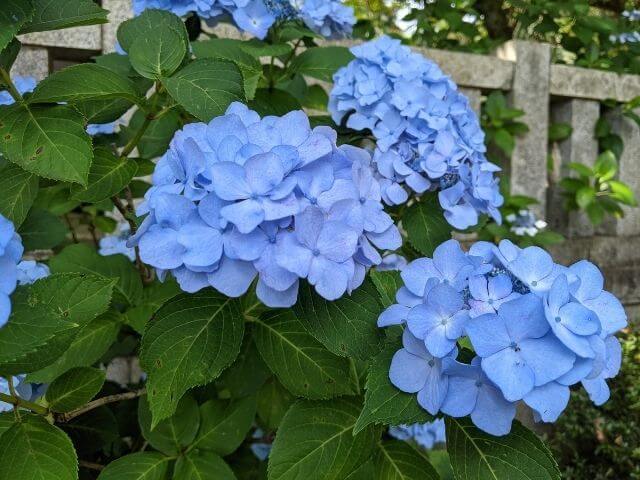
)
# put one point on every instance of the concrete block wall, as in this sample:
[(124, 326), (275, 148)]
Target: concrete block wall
[(523, 70)]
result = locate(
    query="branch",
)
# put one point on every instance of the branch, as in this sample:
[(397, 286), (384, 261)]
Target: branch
[(90, 465), (65, 417), (22, 403), (11, 88)]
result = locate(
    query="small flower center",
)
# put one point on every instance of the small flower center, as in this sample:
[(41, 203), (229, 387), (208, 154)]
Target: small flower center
[(362, 199), (443, 321), (490, 302), (432, 362), (514, 346), (534, 283), (478, 383), (272, 239), (313, 200), (316, 252), (558, 319)]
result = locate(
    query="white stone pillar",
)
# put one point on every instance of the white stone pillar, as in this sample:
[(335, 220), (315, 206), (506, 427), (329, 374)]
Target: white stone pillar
[(119, 11), (475, 98), (32, 62)]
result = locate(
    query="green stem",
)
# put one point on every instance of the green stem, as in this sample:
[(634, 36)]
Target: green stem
[(11, 88), (133, 143), (21, 403)]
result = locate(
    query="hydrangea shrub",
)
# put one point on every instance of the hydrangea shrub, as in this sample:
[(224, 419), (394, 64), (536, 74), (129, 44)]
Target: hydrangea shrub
[(285, 281)]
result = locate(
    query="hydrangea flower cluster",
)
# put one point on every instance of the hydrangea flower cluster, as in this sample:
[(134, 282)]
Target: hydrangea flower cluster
[(632, 15), (22, 84), (536, 328), (524, 223), (427, 136), (14, 272), (426, 435), (245, 196), (329, 18)]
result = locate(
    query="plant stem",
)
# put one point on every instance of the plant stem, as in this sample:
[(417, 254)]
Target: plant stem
[(11, 88), (65, 417), (90, 465), (21, 403), (133, 143)]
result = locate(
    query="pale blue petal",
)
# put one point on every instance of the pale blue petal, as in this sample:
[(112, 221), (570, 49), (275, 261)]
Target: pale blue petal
[(549, 400), (232, 277), (408, 372), (510, 373)]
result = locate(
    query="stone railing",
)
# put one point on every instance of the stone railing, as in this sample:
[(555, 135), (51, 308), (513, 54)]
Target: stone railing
[(544, 91)]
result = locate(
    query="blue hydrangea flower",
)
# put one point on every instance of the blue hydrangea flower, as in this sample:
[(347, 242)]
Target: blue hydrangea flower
[(22, 84), (101, 128), (245, 197), (10, 253), (427, 435), (30, 271), (27, 391), (393, 261), (329, 18), (116, 244), (427, 136), (537, 329)]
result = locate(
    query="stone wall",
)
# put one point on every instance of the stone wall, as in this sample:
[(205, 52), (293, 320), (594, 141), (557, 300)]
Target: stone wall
[(523, 70)]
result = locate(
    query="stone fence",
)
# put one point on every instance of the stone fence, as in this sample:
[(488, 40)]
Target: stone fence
[(544, 91)]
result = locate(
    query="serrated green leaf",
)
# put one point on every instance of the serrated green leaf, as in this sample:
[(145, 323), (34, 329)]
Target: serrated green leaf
[(55, 15), (13, 14), (192, 339), (53, 307), (425, 225), (348, 326), (300, 362), (206, 87), (7, 419), (321, 62), (35, 449), (273, 102), (202, 466), (259, 48), (273, 402), (224, 425), (137, 466), (171, 435), (92, 341), (42, 230), (153, 297), (384, 403), (18, 191), (74, 388), (102, 111), (49, 141), (107, 177), (146, 23), (316, 441), (247, 374), (476, 455), (387, 283), (398, 460), (86, 81)]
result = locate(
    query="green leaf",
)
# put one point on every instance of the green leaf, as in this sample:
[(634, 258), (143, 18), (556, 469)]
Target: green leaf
[(274, 102), (156, 139), (19, 189), (273, 402), (622, 192), (258, 48), (595, 212), (387, 283), (299, 361), (582, 169), (192, 339), (56, 15), (92, 341), (584, 196), (316, 98), (504, 140), (321, 62), (224, 425), (559, 131), (9, 54), (247, 374), (13, 14), (398, 460), (81, 258), (56, 306), (86, 81), (35, 449), (606, 166), (137, 466), (202, 466), (383, 402), (42, 230), (102, 111), (74, 388), (171, 435), (93, 431), (425, 225), (293, 30), (153, 297), (476, 455), (233, 51), (316, 441), (49, 141), (146, 24), (7, 419), (107, 177), (206, 87), (603, 127), (348, 326)]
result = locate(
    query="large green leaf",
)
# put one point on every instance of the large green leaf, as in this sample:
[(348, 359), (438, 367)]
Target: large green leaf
[(74, 388), (18, 190), (274, 102), (202, 466), (171, 435), (92, 341), (7, 419), (425, 225), (316, 441), (384, 403), (192, 339), (321, 62), (347, 326), (387, 283), (397, 460), (206, 87), (137, 466), (53, 307), (153, 297), (300, 362), (41, 230), (107, 177), (247, 374), (273, 402), (49, 141), (224, 424), (13, 14), (81, 258), (146, 23), (55, 15), (476, 455), (35, 449), (86, 81), (9, 54)]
